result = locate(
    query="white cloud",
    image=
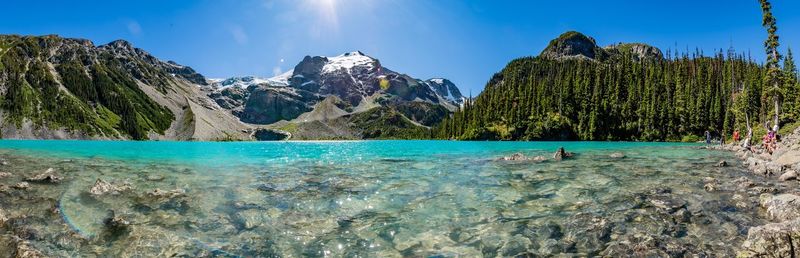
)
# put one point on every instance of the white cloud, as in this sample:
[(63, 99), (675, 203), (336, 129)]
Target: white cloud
[(238, 34), (134, 28)]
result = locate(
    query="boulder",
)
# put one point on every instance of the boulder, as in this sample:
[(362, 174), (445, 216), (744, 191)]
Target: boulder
[(49, 176), (773, 169), (772, 240), (788, 158), (781, 207), (5, 174), (710, 187), (789, 175), (561, 154)]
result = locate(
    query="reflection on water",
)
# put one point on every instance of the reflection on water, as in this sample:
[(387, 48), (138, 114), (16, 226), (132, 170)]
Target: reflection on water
[(372, 199)]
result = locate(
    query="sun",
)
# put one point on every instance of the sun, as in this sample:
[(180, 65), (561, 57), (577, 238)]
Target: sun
[(326, 9)]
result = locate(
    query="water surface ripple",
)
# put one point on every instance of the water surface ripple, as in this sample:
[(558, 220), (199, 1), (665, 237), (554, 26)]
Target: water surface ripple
[(376, 199)]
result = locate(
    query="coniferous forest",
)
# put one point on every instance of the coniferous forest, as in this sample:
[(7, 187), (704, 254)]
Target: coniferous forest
[(623, 97), (575, 90)]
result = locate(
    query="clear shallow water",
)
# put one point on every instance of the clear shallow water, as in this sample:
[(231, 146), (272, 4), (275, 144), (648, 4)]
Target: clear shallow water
[(375, 198)]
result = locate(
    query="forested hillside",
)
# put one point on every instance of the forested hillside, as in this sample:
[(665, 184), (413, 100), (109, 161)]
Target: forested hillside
[(62, 88), (578, 91)]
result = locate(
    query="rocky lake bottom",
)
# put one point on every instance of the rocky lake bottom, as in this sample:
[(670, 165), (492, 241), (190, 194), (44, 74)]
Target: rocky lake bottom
[(374, 199)]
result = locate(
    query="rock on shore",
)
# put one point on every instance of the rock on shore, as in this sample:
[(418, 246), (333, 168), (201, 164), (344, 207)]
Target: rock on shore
[(782, 237), (773, 240)]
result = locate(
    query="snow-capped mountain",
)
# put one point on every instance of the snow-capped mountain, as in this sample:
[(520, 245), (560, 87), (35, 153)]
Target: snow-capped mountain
[(446, 89), (247, 81), (351, 83)]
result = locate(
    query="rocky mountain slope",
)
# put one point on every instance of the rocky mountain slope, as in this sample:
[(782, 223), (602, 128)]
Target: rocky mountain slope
[(58, 88), (350, 96), (574, 44)]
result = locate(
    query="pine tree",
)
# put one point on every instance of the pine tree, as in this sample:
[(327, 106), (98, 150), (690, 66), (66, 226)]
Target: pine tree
[(773, 57)]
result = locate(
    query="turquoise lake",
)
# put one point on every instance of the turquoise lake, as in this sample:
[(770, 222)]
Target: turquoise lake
[(372, 198)]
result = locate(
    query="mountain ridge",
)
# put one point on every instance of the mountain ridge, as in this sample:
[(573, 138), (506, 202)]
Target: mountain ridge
[(66, 88), (357, 83)]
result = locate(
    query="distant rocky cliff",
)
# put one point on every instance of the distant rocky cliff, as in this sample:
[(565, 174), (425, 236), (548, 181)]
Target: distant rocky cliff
[(574, 44)]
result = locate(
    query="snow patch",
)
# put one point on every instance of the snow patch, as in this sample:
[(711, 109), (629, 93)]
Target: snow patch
[(348, 61), (438, 80), (282, 79)]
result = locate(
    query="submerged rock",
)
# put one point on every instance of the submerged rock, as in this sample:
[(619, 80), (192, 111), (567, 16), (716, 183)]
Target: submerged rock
[(49, 176), (561, 154), (667, 203), (5, 174), (154, 178), (721, 163), (514, 157), (617, 155), (21, 186), (517, 245), (3, 218), (102, 187), (586, 233), (115, 223), (781, 207), (13, 246), (773, 240), (521, 157), (710, 187), (159, 194)]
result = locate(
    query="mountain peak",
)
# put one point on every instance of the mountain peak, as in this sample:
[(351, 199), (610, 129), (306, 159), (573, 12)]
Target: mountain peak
[(121, 44), (572, 44), (354, 53)]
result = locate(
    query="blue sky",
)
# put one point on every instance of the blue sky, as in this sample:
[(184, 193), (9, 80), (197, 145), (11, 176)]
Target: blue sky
[(465, 41)]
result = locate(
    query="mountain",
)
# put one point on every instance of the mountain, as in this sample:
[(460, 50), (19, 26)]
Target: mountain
[(576, 90), (350, 96), (63, 88), (573, 44)]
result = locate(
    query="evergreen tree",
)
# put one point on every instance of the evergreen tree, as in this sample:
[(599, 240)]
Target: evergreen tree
[(773, 57)]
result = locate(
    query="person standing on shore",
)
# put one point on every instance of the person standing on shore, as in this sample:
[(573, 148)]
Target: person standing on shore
[(775, 131), (736, 136), (708, 137)]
